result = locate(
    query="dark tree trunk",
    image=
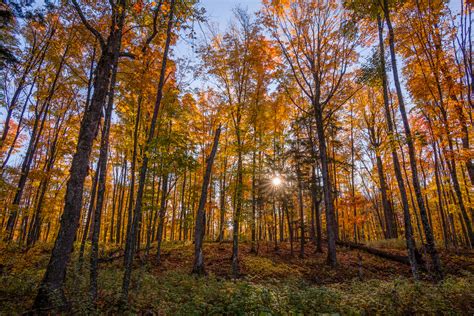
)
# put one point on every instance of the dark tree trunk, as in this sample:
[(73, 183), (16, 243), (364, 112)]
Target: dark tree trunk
[(89, 216), (182, 216), (390, 226), (289, 222), (301, 209), (316, 200), (121, 203), (222, 200), (173, 214), (115, 192), (327, 188), (430, 245), (411, 247), (198, 267), (131, 191), (162, 213), (254, 205), (275, 222), (439, 195), (150, 226), (130, 249), (103, 157), (237, 212), (51, 292)]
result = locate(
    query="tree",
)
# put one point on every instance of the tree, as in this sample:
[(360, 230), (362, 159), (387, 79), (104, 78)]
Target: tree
[(132, 233), (198, 267), (431, 248), (238, 62), (51, 290), (317, 42)]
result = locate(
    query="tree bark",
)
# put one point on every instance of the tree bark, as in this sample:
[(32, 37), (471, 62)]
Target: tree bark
[(198, 267), (162, 213), (51, 292), (301, 209), (410, 241), (130, 249), (430, 245), (327, 187), (237, 212), (103, 157)]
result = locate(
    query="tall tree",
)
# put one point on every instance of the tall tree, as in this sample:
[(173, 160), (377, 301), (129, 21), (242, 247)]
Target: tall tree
[(317, 42), (430, 245), (51, 289), (199, 230), (131, 241)]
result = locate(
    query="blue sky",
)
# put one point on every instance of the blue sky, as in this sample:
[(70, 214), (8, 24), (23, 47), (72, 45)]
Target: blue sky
[(219, 14), (220, 11)]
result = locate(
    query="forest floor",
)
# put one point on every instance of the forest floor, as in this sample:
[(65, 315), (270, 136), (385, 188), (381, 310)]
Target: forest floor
[(272, 282)]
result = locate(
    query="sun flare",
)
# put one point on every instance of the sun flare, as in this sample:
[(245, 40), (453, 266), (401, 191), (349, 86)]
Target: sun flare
[(276, 181)]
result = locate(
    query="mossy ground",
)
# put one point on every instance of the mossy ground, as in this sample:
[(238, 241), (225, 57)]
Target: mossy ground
[(271, 283)]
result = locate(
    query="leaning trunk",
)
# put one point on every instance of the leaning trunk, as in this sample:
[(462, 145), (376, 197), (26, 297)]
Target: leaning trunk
[(430, 245), (131, 240), (199, 230), (51, 289)]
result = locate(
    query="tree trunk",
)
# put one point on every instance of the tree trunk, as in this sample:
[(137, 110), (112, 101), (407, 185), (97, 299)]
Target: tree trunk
[(131, 200), (301, 209), (32, 146), (103, 157), (315, 196), (222, 199), (327, 187), (198, 267), (391, 227), (289, 222), (410, 241), (238, 209), (430, 245), (182, 215), (121, 204), (130, 249), (89, 215), (162, 213), (254, 204), (51, 289)]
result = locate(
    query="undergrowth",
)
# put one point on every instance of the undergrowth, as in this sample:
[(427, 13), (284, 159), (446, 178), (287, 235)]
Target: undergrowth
[(269, 288)]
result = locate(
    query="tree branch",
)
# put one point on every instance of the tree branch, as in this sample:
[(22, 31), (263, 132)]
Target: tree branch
[(88, 25), (155, 28)]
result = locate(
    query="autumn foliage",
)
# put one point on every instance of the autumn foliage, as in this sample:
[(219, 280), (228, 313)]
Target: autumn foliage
[(296, 151)]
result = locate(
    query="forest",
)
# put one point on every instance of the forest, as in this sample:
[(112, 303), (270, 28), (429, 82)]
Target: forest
[(308, 157)]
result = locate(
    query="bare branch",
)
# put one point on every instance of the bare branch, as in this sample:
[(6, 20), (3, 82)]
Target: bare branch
[(88, 25)]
